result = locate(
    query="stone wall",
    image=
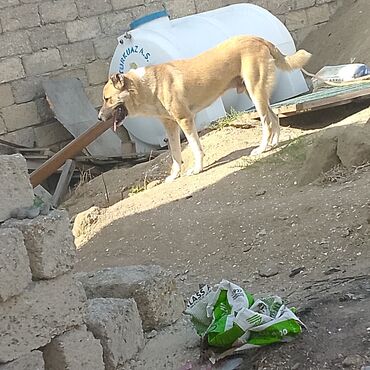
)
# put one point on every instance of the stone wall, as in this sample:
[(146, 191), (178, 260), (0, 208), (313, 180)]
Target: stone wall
[(41, 39)]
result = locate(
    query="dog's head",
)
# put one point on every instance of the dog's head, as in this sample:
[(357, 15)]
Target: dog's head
[(115, 92)]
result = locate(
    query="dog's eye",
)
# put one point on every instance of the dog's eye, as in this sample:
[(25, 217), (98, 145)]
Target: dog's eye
[(106, 99)]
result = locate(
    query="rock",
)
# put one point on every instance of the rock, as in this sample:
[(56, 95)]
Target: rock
[(75, 349), (117, 324), (49, 244), (31, 361), (15, 273), (353, 360), (268, 271), (84, 220), (296, 271), (16, 188), (46, 309), (153, 289)]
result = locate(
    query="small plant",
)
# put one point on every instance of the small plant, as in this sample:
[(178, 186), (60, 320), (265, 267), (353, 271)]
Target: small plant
[(227, 120)]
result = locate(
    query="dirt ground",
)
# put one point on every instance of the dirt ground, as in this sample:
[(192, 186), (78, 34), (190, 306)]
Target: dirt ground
[(252, 222)]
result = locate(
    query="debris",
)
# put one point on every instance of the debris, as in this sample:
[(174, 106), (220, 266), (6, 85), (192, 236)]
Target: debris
[(260, 192), (269, 272), (296, 271), (353, 360), (262, 232), (332, 270), (232, 319)]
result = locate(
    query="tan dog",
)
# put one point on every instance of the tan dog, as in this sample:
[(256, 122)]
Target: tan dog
[(175, 91)]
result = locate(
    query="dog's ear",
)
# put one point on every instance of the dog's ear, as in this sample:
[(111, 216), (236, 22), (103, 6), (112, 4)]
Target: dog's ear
[(117, 80)]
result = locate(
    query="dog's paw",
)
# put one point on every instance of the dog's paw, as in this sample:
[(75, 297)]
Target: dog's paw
[(193, 171), (257, 151), (170, 179)]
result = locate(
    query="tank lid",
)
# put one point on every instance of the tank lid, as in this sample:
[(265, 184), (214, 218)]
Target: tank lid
[(148, 18)]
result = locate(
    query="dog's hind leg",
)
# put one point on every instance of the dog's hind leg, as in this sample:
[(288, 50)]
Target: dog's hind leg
[(258, 78), (275, 129), (173, 134)]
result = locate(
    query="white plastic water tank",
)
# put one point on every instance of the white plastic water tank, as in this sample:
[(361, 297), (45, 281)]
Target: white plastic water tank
[(155, 39)]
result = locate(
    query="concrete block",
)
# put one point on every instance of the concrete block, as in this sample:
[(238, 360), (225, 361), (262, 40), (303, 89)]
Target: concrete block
[(42, 61), (126, 4), (153, 289), (43, 110), (24, 137), (71, 73), (296, 20), (14, 43), (15, 185), (115, 23), (318, 14), (116, 323), (48, 36), (18, 116), (32, 361), (3, 131), (27, 89), (15, 273), (20, 17), (77, 53), (141, 10), (104, 48), (58, 11), (7, 3), (97, 72), (11, 69), (49, 243), (50, 134), (45, 310), (83, 29), (77, 349), (180, 8), (6, 95), (88, 8), (301, 4), (95, 95)]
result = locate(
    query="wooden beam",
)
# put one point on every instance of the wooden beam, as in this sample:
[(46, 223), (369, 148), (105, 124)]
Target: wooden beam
[(68, 152), (64, 180)]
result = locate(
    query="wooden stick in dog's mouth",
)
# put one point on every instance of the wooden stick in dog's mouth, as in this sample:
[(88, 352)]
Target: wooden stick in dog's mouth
[(119, 114)]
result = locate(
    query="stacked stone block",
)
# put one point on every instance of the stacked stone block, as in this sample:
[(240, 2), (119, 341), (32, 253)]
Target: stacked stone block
[(42, 39)]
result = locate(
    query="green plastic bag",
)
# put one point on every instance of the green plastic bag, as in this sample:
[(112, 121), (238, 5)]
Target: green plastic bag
[(231, 317)]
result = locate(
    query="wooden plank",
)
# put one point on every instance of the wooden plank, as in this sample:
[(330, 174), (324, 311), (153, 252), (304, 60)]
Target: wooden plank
[(68, 152), (64, 180)]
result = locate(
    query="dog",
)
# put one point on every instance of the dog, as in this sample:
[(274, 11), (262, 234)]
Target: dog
[(175, 91)]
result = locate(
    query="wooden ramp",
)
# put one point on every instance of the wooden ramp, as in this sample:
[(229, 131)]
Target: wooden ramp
[(325, 98)]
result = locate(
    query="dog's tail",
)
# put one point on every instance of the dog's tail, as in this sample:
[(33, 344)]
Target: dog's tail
[(290, 62)]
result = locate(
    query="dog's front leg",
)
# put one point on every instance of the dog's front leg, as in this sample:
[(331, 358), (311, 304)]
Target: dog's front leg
[(188, 127), (173, 134)]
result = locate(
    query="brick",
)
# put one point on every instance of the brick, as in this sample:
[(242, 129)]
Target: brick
[(318, 14), (3, 131), (14, 43), (6, 95), (126, 4), (49, 243), (74, 350), (88, 8), (104, 48), (27, 89), (48, 36), (114, 322), (204, 5), (77, 53), (22, 16), (97, 72), (140, 11), (46, 309), (24, 137), (50, 134), (15, 273), (42, 62), (15, 185), (95, 95), (83, 29), (32, 361), (115, 23), (71, 73), (58, 11), (180, 8), (296, 20), (7, 3), (301, 4), (11, 69), (18, 116), (153, 289)]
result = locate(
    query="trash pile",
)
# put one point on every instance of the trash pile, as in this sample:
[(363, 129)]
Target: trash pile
[(233, 320)]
